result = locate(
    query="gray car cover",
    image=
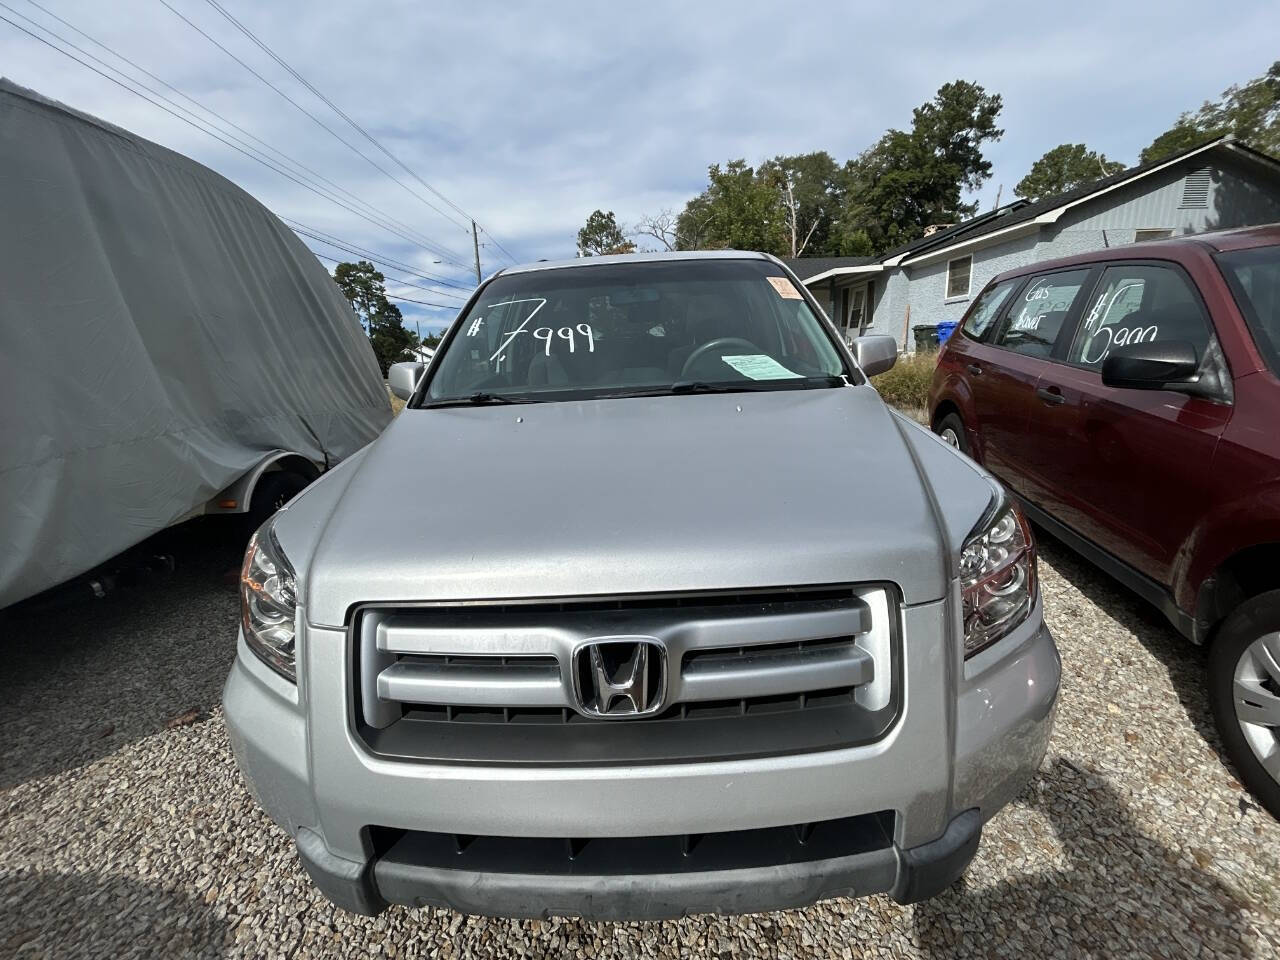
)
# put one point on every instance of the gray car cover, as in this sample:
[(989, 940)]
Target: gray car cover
[(160, 333)]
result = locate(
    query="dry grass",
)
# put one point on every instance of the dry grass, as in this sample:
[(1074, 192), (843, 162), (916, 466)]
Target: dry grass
[(396, 403), (906, 386)]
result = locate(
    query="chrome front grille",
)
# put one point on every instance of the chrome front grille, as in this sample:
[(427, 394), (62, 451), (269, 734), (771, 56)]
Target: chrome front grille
[(823, 660), (775, 669), (446, 680)]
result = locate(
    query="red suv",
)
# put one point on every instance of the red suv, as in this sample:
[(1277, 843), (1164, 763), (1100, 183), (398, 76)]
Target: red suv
[(1131, 399)]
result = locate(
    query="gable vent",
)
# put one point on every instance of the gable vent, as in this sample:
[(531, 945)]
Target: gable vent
[(1195, 190)]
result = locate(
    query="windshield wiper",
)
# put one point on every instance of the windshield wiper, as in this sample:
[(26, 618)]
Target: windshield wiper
[(733, 386), (478, 399), (701, 386)]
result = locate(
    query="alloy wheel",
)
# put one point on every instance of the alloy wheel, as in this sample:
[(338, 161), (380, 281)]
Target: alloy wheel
[(1256, 692)]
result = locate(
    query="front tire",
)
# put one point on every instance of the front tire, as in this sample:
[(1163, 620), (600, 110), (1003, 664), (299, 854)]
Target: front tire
[(951, 429), (1244, 692)]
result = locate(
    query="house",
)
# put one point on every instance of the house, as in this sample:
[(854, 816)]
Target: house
[(1217, 185)]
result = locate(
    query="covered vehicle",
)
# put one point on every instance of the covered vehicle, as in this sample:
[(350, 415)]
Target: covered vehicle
[(167, 346)]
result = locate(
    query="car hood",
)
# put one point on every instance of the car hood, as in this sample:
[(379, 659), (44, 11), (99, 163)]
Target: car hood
[(626, 496)]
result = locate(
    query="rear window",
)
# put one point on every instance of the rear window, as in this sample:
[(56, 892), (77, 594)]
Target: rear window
[(1254, 278)]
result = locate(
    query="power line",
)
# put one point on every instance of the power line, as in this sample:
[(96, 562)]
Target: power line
[(197, 123), (417, 238), (338, 110), (352, 247), (398, 280), (445, 306), (379, 258), (497, 244), (313, 118), (392, 296)]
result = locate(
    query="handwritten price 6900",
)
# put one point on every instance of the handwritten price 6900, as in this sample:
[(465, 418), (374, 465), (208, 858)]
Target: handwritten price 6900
[(547, 334)]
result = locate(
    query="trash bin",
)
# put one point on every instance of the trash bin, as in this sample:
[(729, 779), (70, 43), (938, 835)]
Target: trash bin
[(945, 329), (926, 336)]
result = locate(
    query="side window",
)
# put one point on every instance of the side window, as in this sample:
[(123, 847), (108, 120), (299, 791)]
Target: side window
[(1036, 318), (986, 308), (1135, 304)]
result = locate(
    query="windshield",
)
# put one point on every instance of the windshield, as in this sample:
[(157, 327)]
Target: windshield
[(1254, 278), (621, 329)]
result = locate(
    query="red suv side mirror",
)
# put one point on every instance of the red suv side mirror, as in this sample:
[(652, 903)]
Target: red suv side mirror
[(1155, 365)]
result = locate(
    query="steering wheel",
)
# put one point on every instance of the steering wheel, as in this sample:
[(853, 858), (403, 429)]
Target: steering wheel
[(746, 346)]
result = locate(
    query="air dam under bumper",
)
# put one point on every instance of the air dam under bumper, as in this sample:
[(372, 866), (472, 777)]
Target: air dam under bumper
[(400, 877)]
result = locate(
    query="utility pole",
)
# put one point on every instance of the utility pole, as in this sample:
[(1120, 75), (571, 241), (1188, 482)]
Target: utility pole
[(475, 242)]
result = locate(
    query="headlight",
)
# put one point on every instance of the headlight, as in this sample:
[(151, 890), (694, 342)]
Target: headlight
[(998, 576), (268, 602)]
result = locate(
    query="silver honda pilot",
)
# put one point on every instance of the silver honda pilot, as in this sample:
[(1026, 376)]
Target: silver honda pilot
[(646, 605)]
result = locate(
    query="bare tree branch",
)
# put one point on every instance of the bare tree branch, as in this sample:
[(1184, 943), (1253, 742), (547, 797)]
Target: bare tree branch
[(809, 235), (661, 227), (793, 219), (789, 200)]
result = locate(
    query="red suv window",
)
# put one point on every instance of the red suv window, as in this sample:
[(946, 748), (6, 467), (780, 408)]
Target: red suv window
[(1035, 320), (987, 308), (1138, 303), (1254, 278)]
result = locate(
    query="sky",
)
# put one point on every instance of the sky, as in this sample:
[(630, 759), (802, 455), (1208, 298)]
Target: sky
[(527, 117)]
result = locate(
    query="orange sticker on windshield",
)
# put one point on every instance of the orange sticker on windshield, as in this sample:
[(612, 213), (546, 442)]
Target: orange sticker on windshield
[(786, 289)]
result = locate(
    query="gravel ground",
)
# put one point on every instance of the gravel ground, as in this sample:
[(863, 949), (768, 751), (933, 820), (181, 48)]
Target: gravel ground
[(125, 831)]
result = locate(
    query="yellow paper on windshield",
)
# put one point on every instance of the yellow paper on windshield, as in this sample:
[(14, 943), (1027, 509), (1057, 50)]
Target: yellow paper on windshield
[(786, 289), (757, 366)]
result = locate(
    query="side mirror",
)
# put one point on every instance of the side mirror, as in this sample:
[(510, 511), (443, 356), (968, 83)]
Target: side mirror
[(875, 353), (403, 377), (1154, 365)]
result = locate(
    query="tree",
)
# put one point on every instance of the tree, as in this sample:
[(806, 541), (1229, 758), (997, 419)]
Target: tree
[(812, 190), (739, 210), (1251, 113), (602, 236), (693, 225), (1065, 167), (907, 182), (661, 226), (364, 287), (807, 204)]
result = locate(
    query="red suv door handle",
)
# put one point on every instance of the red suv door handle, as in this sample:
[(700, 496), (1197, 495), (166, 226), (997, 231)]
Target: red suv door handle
[(1051, 395), (974, 369)]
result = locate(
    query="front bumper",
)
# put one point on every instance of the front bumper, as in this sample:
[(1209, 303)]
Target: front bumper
[(908, 875), (945, 768)]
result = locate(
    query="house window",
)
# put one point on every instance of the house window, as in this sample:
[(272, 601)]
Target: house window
[(959, 272), (1195, 190), (856, 308), (1141, 236)]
